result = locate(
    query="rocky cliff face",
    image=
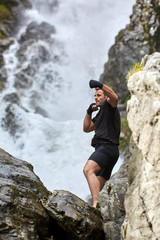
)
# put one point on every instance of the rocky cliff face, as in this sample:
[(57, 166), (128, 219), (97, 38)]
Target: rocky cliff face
[(21, 214), (139, 38), (143, 195), (111, 202)]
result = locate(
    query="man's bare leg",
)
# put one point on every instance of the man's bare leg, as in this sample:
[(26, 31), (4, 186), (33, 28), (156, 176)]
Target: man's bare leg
[(102, 181), (95, 184)]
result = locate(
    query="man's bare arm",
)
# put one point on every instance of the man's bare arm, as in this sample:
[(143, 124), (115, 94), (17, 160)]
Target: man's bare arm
[(112, 98), (88, 125)]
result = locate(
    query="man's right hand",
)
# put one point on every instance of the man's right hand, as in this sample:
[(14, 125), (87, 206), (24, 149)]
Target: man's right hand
[(93, 107), (95, 84)]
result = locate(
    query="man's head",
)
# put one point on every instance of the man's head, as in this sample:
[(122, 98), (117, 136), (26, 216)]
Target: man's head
[(99, 97)]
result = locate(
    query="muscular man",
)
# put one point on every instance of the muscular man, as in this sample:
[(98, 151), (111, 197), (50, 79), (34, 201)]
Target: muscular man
[(106, 125)]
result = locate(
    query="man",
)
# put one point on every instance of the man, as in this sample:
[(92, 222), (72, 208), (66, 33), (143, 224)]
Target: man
[(106, 125)]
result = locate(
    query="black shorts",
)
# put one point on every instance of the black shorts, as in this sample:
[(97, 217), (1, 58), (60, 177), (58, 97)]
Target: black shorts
[(106, 156)]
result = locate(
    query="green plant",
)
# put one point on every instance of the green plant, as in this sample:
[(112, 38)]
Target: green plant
[(136, 67)]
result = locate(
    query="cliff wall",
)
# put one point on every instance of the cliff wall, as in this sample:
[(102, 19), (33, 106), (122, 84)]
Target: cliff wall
[(142, 200), (139, 38)]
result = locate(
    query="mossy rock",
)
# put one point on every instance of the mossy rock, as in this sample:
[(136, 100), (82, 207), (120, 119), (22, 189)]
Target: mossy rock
[(5, 14), (125, 134), (2, 35)]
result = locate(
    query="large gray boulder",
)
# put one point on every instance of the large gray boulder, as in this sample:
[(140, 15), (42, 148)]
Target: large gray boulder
[(76, 219), (143, 195), (21, 213)]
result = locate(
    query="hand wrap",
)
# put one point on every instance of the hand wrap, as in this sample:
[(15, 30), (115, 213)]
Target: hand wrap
[(90, 110), (95, 84)]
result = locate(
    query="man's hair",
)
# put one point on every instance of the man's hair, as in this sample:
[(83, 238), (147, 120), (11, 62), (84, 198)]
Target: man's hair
[(97, 88)]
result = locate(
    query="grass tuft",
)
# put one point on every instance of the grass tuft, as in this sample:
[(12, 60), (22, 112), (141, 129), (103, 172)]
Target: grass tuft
[(136, 67)]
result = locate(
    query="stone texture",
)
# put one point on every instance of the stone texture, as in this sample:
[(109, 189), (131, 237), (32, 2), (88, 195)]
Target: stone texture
[(139, 38), (111, 202), (76, 218), (21, 213), (62, 216), (143, 195), (9, 26), (37, 31), (10, 23)]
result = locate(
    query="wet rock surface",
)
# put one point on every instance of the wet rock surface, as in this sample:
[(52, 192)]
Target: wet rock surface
[(38, 31), (76, 218), (11, 18)]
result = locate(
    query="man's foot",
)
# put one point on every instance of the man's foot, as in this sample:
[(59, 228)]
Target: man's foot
[(95, 204)]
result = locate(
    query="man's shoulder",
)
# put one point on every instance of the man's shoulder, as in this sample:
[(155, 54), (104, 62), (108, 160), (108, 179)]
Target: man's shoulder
[(106, 104)]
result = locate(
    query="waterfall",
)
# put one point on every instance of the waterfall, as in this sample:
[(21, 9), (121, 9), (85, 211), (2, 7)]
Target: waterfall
[(48, 73)]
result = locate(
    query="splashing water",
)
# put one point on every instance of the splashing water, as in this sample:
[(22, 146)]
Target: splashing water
[(52, 138)]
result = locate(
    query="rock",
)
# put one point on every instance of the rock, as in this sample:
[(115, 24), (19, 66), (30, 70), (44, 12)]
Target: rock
[(143, 195), (10, 120), (139, 38), (76, 218), (11, 15), (12, 98), (21, 214), (38, 31), (4, 44), (14, 15), (111, 202)]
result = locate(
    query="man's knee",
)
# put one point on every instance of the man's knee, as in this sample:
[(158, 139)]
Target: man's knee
[(90, 168), (86, 170)]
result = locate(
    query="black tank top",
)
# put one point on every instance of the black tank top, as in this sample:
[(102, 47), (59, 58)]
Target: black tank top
[(107, 125)]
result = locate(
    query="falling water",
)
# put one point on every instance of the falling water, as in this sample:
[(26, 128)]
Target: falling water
[(52, 106)]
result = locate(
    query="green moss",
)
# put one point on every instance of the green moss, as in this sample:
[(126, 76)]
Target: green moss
[(5, 14), (125, 134), (146, 27), (127, 98), (2, 35)]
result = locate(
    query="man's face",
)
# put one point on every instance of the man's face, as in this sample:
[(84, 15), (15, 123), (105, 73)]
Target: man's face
[(99, 97)]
